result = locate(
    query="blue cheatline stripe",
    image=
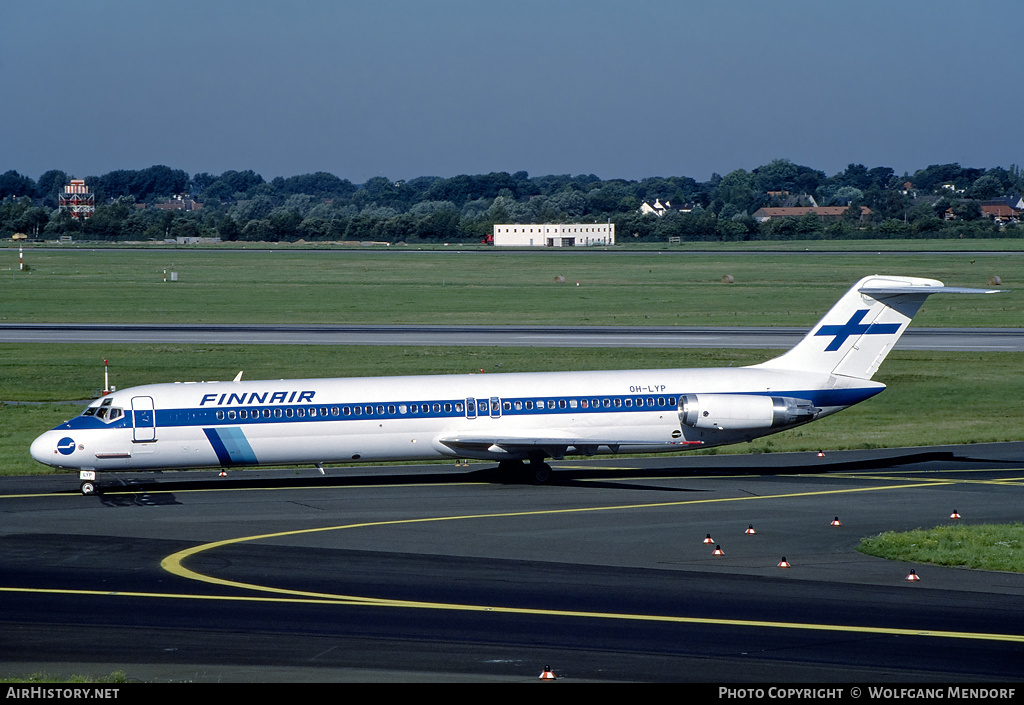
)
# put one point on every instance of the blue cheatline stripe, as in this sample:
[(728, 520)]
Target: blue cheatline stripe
[(231, 446), (543, 406)]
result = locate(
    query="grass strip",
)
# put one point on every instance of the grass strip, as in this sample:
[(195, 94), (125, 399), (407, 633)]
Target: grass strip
[(983, 547), (493, 288), (42, 677)]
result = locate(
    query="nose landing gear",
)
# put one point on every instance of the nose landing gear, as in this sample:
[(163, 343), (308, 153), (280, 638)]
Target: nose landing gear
[(88, 484)]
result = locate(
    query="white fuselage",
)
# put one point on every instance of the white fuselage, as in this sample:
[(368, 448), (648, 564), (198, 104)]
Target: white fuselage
[(494, 417)]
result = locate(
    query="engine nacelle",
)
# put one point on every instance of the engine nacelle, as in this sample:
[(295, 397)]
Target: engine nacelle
[(738, 412)]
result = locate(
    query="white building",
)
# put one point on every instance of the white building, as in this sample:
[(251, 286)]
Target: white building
[(554, 235)]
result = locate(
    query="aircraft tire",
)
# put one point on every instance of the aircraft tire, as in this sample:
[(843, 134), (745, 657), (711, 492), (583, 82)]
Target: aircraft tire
[(88, 488), (541, 473)]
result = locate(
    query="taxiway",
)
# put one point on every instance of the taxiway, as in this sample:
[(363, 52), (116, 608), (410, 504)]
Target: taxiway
[(453, 573)]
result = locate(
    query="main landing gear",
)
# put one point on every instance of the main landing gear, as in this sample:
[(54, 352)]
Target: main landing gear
[(537, 471)]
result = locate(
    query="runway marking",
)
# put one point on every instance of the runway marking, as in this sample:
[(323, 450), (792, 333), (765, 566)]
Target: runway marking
[(174, 564), (863, 476), (299, 597)]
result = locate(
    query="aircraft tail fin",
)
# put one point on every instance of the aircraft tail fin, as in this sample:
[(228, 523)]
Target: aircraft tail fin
[(858, 332)]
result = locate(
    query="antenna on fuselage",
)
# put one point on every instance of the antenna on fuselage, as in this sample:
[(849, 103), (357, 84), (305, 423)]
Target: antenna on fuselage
[(238, 377)]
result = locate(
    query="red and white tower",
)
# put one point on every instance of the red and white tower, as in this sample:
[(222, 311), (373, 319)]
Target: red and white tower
[(76, 198)]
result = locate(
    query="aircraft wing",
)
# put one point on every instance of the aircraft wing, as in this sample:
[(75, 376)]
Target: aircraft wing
[(555, 447)]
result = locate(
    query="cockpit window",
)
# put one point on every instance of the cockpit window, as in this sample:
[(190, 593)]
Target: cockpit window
[(105, 411)]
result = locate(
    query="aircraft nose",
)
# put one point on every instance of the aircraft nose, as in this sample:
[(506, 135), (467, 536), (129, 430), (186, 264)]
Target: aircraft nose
[(42, 449)]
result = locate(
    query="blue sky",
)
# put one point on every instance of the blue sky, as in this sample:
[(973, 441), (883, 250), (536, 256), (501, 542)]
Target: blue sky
[(406, 88)]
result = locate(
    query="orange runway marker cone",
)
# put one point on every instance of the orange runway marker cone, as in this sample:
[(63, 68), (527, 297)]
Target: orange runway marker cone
[(718, 551), (954, 515), (547, 674), (708, 539), (783, 563), (913, 576), (836, 522), (750, 530)]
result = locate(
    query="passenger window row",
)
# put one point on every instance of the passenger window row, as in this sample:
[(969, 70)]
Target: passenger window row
[(475, 406)]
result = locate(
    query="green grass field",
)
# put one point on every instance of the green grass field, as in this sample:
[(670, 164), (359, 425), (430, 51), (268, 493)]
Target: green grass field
[(491, 287), (934, 398), (984, 547)]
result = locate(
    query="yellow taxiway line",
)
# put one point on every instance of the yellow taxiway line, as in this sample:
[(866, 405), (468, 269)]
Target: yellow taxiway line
[(174, 564), (299, 597)]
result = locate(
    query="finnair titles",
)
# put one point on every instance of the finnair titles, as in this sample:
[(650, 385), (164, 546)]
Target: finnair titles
[(506, 418)]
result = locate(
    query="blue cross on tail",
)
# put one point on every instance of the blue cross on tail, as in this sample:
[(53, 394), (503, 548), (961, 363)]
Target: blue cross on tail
[(855, 327)]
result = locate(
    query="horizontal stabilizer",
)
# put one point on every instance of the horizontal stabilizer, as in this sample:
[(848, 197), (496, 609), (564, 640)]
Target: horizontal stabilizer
[(883, 290)]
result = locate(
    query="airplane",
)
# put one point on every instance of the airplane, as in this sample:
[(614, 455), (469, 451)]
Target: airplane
[(508, 418)]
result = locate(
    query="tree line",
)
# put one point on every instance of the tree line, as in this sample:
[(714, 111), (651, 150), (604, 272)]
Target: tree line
[(242, 205)]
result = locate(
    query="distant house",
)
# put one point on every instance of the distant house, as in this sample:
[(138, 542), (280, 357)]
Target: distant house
[(180, 202), (659, 209), (1002, 213), (826, 213), (1015, 202)]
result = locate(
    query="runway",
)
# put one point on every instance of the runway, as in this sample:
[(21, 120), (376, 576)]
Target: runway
[(442, 573), (952, 339)]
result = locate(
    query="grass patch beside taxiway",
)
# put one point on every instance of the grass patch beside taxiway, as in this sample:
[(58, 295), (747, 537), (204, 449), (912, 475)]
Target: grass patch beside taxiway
[(114, 677), (983, 547)]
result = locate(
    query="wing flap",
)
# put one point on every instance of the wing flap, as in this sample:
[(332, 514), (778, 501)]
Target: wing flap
[(555, 447)]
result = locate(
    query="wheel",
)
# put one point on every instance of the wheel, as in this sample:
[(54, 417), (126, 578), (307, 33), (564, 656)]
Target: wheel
[(541, 472), (88, 488)]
